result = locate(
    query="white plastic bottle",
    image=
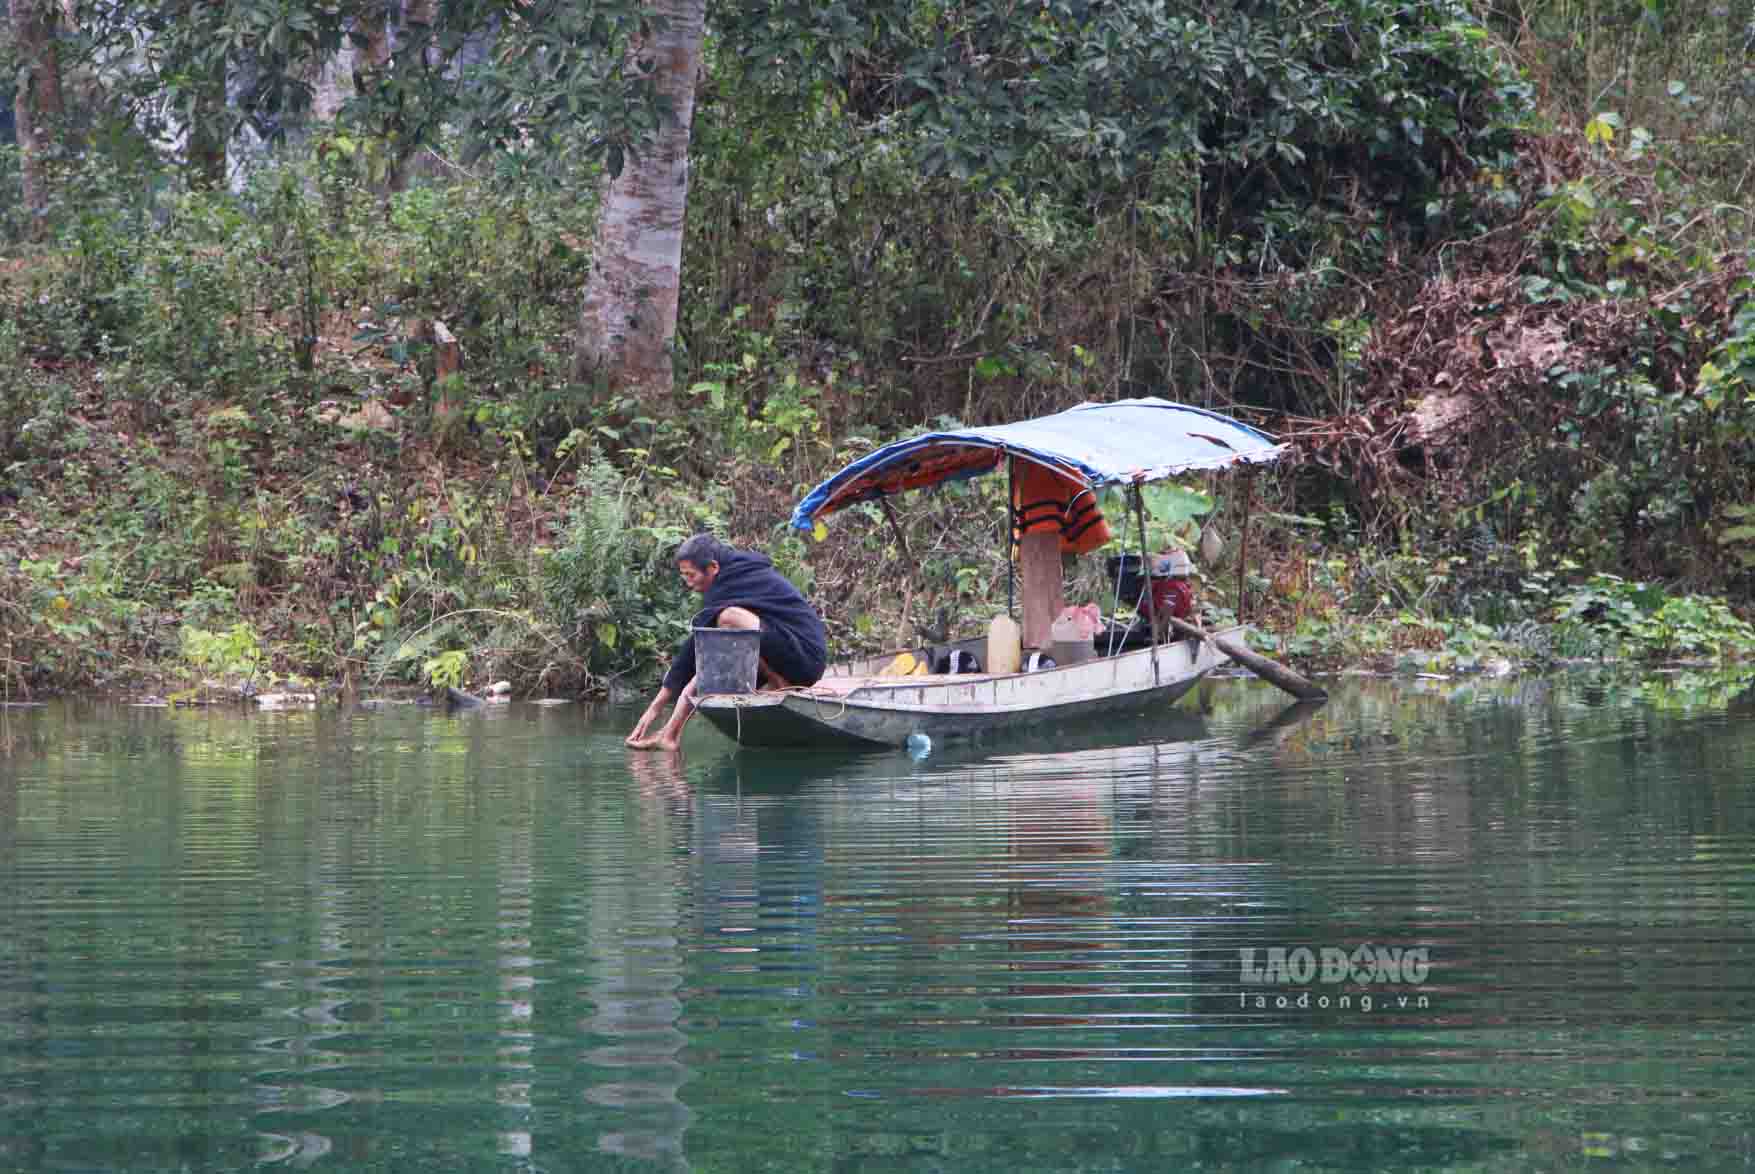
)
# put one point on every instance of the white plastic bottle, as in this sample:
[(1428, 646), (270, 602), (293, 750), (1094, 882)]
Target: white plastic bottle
[(1005, 648)]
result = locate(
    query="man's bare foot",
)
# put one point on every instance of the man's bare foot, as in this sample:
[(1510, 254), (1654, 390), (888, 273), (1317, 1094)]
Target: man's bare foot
[(659, 741)]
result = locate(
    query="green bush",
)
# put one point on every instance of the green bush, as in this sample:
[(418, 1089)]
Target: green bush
[(20, 389), (14, 217), (1643, 621), (67, 622), (235, 652), (610, 588)]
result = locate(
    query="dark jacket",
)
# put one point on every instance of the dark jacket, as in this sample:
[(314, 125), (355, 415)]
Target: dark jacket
[(748, 580)]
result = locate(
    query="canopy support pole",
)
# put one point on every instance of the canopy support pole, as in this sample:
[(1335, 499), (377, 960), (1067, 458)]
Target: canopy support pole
[(1011, 532), (896, 528), (1139, 514), (902, 632), (1243, 536)]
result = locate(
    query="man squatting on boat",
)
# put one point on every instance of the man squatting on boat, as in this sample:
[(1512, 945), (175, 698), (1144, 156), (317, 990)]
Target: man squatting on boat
[(740, 589)]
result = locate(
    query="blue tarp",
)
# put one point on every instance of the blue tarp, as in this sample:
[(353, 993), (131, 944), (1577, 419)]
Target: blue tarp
[(1124, 442)]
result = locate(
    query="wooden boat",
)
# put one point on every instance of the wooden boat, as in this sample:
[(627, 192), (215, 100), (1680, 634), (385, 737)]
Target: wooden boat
[(855, 704), (1127, 443)]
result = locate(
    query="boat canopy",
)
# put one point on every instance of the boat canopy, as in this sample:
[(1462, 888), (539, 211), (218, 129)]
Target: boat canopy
[(1124, 442)]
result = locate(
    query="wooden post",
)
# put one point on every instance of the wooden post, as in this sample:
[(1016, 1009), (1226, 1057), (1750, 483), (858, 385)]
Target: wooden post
[(1039, 586), (1038, 578), (446, 361)]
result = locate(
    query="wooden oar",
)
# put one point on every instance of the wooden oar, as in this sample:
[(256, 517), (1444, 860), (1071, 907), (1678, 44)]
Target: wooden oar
[(1271, 671)]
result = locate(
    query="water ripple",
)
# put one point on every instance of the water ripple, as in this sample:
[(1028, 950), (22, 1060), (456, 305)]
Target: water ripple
[(409, 941)]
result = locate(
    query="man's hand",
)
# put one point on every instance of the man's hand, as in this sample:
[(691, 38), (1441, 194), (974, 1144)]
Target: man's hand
[(638, 738)]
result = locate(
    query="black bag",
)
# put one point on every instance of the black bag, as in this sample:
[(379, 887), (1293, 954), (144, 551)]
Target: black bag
[(956, 660)]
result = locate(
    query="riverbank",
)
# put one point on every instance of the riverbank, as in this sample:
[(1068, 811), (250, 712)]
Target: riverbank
[(233, 447), (85, 628), (227, 552)]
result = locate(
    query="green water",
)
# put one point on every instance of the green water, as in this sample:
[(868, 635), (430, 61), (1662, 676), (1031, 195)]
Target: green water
[(400, 940)]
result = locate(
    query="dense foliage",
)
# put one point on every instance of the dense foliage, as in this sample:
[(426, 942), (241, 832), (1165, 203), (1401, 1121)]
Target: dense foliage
[(1506, 326)]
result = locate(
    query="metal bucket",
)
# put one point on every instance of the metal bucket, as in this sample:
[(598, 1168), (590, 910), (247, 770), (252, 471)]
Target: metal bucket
[(725, 659)]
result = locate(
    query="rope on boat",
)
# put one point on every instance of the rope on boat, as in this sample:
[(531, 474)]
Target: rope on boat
[(739, 700), (817, 698)]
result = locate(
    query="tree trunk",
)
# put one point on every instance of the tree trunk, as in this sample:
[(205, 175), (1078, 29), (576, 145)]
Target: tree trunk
[(424, 14), (371, 66), (208, 132), (627, 320), (332, 84), (37, 105), (418, 20), (375, 23)]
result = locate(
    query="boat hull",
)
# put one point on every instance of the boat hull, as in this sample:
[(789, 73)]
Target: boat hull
[(852, 709)]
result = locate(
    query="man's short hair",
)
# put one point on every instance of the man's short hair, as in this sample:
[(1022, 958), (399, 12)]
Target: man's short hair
[(701, 550)]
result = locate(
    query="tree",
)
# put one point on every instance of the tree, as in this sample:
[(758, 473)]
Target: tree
[(196, 71), (410, 86), (37, 106), (627, 318), (1268, 105), (208, 121), (1245, 123)]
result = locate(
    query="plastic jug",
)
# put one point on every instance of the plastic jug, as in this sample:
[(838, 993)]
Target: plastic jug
[(1069, 641), (1005, 648)]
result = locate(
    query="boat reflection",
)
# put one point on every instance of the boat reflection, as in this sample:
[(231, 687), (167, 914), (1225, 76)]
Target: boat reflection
[(1123, 749), (757, 770)]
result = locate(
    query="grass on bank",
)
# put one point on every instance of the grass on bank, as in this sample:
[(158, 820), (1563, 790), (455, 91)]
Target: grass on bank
[(278, 545)]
